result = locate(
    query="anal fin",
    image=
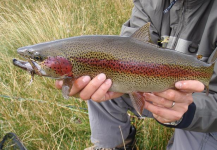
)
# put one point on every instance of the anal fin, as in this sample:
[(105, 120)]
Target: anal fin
[(138, 102)]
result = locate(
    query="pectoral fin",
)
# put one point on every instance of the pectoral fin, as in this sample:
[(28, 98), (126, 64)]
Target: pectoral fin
[(67, 85), (138, 101)]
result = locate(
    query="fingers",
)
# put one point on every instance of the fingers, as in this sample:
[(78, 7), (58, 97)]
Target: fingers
[(163, 115), (181, 106), (160, 104), (100, 93), (160, 101), (97, 87), (177, 96), (107, 96), (111, 95), (190, 85), (59, 84), (160, 119), (79, 84)]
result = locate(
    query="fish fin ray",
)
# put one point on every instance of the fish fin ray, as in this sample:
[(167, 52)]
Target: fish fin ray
[(213, 57), (138, 102), (143, 34), (67, 85)]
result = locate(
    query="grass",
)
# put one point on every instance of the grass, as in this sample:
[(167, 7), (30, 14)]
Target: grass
[(37, 113)]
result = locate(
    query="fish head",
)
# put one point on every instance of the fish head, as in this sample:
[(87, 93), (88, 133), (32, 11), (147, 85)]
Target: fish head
[(40, 52), (45, 59)]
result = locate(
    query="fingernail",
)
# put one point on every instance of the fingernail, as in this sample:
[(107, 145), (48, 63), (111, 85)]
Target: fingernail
[(178, 85), (86, 79), (101, 76), (148, 94), (108, 82), (60, 82)]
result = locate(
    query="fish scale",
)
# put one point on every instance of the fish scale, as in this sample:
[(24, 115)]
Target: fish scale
[(132, 63), (137, 69)]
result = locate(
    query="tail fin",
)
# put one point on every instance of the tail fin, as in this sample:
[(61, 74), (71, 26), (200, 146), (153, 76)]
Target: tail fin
[(210, 72), (212, 60), (213, 57)]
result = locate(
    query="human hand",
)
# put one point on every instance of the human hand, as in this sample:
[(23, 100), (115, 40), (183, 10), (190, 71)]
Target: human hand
[(95, 89), (161, 104)]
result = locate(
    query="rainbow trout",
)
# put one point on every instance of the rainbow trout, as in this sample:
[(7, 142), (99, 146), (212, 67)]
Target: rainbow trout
[(132, 63)]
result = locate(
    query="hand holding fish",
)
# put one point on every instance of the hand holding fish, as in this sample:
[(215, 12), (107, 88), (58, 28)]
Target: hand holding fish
[(95, 89), (162, 104)]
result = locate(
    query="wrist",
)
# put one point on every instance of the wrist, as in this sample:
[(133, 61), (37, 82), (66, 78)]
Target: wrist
[(186, 119), (174, 123)]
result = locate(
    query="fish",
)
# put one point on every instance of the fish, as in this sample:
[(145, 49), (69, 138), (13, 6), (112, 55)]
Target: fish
[(134, 63)]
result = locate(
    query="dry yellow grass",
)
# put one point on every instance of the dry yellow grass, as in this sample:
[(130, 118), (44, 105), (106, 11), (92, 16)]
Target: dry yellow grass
[(41, 118)]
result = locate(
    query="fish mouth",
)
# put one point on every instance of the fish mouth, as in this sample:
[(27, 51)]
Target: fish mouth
[(30, 65)]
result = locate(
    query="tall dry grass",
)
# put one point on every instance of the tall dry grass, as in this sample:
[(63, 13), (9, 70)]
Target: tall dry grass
[(37, 113)]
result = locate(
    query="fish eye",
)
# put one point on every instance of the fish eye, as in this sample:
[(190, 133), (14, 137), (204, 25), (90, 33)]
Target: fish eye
[(37, 58)]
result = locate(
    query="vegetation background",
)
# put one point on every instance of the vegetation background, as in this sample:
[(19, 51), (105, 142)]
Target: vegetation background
[(37, 113)]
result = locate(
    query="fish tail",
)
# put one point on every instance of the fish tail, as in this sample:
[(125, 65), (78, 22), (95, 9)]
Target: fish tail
[(211, 61), (213, 57), (206, 82)]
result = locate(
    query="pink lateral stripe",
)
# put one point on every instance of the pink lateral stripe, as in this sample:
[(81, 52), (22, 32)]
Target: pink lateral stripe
[(144, 68)]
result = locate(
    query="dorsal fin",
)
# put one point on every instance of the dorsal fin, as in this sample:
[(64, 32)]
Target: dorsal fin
[(143, 33)]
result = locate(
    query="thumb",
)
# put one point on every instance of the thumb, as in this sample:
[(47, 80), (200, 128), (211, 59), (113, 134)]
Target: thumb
[(190, 85), (59, 84)]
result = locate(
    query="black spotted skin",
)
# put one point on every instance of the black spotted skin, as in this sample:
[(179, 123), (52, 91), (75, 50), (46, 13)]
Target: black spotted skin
[(133, 65)]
